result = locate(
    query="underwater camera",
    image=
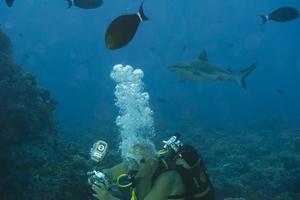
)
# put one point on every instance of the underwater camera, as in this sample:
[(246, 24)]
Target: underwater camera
[(97, 153), (97, 178)]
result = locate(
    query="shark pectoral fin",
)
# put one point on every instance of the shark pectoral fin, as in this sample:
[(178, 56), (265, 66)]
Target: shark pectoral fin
[(203, 55)]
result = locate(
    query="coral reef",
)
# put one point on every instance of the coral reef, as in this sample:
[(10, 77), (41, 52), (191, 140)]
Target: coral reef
[(35, 163), (250, 163), (26, 109)]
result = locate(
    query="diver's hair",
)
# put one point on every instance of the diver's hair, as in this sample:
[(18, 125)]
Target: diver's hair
[(145, 149)]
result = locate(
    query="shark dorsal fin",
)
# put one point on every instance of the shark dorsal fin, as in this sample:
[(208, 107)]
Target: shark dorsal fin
[(203, 55)]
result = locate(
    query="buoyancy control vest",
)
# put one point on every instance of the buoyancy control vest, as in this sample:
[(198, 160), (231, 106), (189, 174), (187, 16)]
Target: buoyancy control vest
[(196, 180)]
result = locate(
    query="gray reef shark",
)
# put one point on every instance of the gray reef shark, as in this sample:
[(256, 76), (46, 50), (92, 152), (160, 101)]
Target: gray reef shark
[(202, 69)]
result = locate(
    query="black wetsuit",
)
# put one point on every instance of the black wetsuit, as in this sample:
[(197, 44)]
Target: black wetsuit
[(195, 189)]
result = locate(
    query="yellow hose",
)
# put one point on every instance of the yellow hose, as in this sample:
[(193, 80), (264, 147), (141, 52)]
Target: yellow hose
[(120, 185)]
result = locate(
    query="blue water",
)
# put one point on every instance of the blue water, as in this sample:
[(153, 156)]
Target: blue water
[(65, 49)]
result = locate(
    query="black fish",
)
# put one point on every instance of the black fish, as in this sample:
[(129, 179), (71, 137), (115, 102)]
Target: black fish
[(86, 61), (86, 4), (122, 29), (231, 45), (152, 49), (161, 100), (9, 2), (219, 21), (26, 56), (281, 15), (183, 49), (281, 92)]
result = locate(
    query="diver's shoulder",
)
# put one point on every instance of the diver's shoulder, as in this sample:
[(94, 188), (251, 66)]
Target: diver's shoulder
[(173, 181), (170, 176)]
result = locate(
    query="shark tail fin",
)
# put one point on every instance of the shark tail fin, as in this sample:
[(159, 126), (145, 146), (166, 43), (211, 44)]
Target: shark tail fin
[(264, 18), (244, 73)]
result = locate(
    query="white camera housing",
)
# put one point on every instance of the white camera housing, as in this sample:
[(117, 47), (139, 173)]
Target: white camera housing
[(99, 150)]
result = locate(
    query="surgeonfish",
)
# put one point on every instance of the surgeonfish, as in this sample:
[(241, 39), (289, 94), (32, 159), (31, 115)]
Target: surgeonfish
[(9, 3), (85, 4), (122, 29), (281, 15)]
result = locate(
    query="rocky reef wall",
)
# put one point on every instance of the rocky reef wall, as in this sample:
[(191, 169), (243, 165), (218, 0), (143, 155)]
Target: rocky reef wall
[(34, 162)]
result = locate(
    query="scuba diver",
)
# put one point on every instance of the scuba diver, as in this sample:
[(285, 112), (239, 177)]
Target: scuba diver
[(176, 172)]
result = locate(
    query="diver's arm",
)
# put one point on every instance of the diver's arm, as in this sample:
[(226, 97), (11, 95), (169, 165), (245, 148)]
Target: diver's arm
[(113, 173), (163, 186), (102, 194)]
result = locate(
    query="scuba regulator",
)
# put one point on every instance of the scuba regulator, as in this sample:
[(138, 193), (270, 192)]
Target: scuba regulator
[(172, 145)]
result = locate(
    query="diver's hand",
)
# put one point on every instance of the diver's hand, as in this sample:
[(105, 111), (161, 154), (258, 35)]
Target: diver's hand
[(101, 192)]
